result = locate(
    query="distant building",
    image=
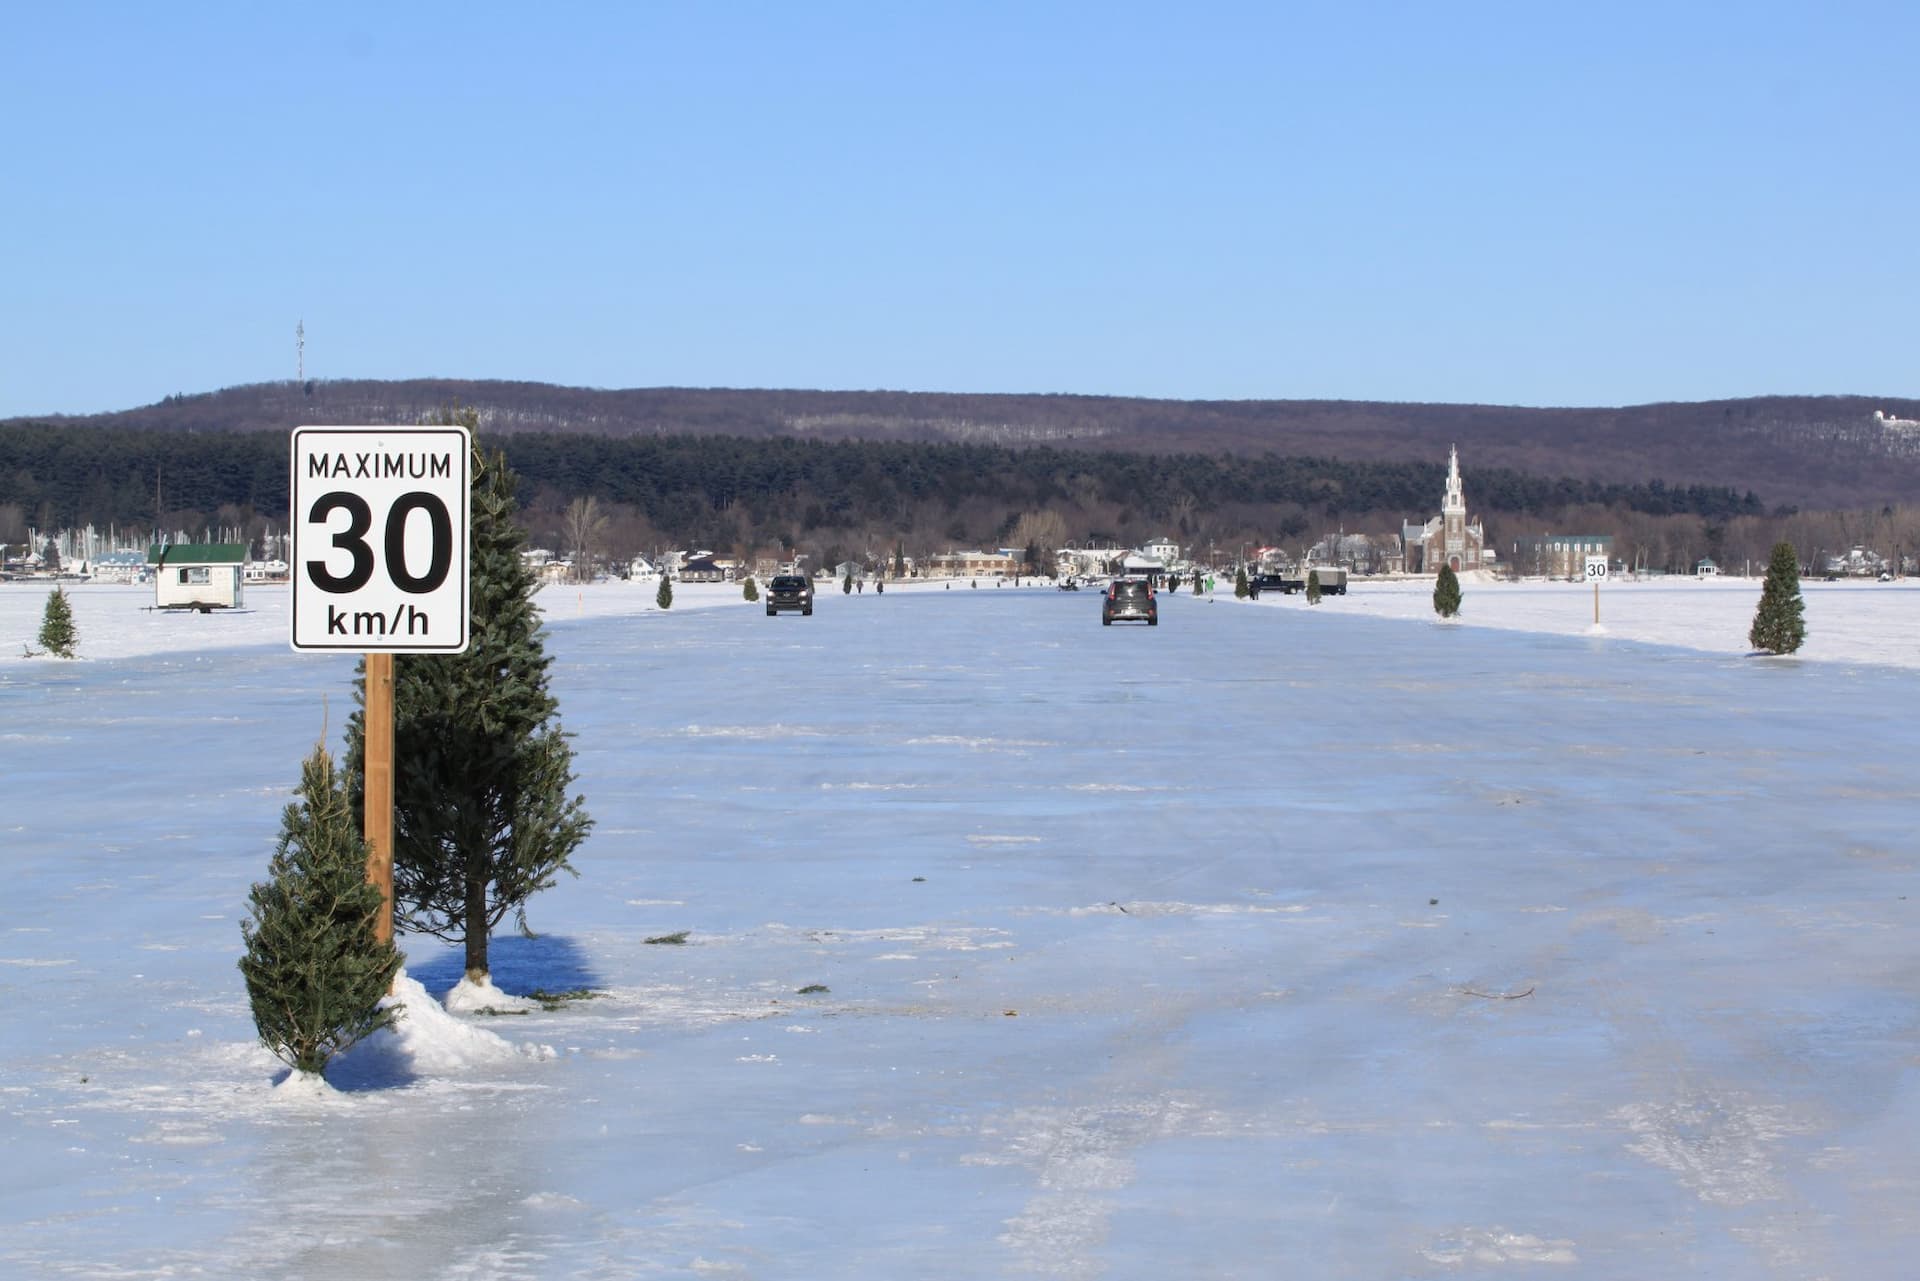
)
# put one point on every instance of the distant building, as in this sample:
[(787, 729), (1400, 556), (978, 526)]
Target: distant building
[(1269, 560), (202, 576), (545, 566), (1356, 552), (120, 567), (1449, 538), (1151, 568), (705, 567), (971, 564), (1858, 562), (1560, 555), (1086, 562)]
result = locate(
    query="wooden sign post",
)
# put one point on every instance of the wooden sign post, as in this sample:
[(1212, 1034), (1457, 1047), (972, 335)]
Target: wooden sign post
[(377, 822)]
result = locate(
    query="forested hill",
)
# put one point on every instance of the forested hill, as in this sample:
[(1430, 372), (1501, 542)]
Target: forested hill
[(1800, 451)]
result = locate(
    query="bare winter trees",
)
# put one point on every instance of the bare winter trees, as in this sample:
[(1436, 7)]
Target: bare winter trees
[(585, 528)]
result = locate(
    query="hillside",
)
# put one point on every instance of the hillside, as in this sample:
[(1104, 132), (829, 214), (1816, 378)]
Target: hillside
[(1800, 451)]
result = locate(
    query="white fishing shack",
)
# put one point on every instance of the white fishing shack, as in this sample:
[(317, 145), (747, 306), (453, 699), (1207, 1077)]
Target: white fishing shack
[(202, 576)]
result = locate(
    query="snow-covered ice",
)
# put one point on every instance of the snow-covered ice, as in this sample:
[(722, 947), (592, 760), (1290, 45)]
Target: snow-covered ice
[(1274, 940)]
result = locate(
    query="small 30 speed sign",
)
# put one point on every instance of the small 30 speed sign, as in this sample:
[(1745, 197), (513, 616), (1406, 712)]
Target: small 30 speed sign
[(1596, 569), (379, 530)]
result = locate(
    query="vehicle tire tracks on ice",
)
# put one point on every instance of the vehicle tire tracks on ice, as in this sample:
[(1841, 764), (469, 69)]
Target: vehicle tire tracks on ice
[(1080, 1153)]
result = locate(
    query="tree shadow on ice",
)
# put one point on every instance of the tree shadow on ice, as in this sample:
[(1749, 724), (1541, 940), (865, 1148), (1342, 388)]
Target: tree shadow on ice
[(521, 966)]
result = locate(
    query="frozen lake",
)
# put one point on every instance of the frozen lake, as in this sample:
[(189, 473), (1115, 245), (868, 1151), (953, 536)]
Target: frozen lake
[(1269, 941)]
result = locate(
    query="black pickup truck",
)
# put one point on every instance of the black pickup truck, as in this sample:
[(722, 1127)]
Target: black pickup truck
[(1333, 581), (1258, 583)]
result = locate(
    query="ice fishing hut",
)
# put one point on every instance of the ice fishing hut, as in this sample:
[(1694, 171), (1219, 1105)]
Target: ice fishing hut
[(202, 576)]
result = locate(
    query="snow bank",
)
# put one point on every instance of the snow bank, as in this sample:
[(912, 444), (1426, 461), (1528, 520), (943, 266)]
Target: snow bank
[(427, 1040)]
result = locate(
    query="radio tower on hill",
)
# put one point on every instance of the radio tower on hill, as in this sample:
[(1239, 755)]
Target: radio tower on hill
[(300, 351)]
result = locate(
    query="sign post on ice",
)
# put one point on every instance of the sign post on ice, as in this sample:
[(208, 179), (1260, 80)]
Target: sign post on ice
[(379, 557), (1596, 574)]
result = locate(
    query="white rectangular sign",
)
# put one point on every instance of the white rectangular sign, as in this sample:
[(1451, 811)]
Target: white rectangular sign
[(379, 533), (1596, 569)]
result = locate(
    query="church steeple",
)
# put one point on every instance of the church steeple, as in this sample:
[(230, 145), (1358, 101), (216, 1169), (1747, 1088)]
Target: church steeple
[(1456, 501), (1449, 540)]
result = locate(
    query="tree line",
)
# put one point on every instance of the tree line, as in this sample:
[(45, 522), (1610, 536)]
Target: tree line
[(723, 491)]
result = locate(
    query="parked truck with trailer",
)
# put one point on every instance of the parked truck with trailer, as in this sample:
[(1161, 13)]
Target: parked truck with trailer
[(1333, 580)]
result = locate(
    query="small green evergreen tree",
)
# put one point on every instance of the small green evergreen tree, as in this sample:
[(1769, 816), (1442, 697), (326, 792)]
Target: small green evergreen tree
[(58, 635), (1779, 625), (1199, 584), (1313, 587), (1446, 593), (664, 597), (50, 557), (846, 584), (482, 818), (751, 591), (1240, 587), (315, 973)]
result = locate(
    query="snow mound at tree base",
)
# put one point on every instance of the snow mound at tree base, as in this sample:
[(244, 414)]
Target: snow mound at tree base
[(426, 1040), (468, 997), (304, 1087)]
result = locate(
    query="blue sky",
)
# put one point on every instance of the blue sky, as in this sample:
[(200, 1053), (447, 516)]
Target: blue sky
[(1499, 203)]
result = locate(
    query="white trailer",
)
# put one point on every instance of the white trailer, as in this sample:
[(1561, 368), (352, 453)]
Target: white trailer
[(201, 576)]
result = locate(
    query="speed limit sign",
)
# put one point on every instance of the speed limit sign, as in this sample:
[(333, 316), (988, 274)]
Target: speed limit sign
[(1596, 569), (379, 535)]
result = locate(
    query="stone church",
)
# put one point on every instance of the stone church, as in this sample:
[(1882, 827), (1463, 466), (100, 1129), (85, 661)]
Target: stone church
[(1447, 539)]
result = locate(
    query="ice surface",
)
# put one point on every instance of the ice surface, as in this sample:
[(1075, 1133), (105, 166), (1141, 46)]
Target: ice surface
[(1270, 941)]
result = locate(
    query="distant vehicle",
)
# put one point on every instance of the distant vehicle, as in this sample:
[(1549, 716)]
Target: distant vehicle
[(1069, 584), (789, 591), (1266, 583), (1885, 577), (1130, 599), (1333, 580)]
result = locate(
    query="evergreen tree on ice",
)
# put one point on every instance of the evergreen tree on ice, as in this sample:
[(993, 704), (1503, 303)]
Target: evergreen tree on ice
[(482, 819), (750, 591), (1446, 593), (664, 597), (58, 635), (1779, 625), (315, 974), (1241, 587), (1313, 587)]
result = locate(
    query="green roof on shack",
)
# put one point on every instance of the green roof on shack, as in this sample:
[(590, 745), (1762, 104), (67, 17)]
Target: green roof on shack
[(197, 554)]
